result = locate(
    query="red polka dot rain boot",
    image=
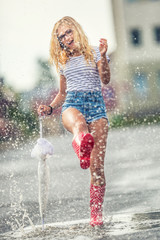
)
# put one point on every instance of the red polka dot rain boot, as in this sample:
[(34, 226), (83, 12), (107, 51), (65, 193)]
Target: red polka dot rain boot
[(83, 145), (96, 201)]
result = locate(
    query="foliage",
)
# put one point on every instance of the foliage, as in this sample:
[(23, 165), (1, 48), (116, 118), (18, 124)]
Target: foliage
[(45, 76), (26, 121), (134, 120)]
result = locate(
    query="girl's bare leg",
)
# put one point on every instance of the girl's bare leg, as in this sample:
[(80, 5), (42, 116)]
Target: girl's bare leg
[(82, 142), (74, 121), (99, 130)]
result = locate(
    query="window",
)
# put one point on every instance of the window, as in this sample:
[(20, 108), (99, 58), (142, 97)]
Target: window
[(158, 79), (135, 36), (132, 1), (140, 83), (157, 34)]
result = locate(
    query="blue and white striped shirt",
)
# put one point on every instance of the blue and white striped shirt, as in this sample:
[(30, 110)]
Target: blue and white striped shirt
[(81, 76)]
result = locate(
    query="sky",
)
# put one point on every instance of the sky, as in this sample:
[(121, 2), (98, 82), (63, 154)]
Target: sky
[(25, 31)]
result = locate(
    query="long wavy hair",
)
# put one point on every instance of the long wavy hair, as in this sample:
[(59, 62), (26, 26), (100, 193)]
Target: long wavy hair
[(61, 55)]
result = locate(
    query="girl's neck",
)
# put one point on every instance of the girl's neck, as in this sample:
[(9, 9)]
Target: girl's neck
[(74, 53)]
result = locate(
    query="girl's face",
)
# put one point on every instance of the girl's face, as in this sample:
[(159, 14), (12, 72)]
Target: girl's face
[(66, 37)]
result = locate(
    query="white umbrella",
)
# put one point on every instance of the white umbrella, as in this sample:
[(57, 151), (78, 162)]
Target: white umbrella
[(42, 150)]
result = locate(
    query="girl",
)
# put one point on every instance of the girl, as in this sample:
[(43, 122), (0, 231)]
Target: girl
[(82, 69)]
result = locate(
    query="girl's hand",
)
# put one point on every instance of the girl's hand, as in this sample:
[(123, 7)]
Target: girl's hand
[(103, 46), (44, 110)]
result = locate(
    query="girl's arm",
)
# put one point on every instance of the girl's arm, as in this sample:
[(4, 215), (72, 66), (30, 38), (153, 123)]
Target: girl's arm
[(58, 100), (103, 66), (60, 97)]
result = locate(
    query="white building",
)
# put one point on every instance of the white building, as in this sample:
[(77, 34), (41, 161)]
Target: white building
[(136, 62)]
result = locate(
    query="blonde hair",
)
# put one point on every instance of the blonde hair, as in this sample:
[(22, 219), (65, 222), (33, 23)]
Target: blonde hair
[(59, 55)]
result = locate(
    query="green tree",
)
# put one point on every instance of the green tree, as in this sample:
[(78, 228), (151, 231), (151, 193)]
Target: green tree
[(46, 78)]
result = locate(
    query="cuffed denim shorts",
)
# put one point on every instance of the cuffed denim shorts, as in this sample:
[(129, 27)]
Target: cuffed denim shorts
[(90, 104)]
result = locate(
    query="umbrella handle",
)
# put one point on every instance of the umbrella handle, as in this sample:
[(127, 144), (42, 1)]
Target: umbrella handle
[(40, 126)]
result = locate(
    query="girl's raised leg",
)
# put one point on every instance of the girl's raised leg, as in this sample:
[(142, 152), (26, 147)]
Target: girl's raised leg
[(83, 142), (74, 121)]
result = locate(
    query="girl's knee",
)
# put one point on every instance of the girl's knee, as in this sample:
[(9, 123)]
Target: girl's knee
[(80, 126)]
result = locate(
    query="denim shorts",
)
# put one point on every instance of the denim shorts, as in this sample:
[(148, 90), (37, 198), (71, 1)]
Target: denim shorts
[(90, 104)]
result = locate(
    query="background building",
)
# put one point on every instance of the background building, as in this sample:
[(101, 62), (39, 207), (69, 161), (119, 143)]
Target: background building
[(135, 64)]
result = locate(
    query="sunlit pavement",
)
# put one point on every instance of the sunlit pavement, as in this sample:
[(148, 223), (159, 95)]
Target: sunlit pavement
[(132, 202)]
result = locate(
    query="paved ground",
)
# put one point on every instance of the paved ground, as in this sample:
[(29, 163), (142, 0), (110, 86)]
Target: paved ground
[(132, 202)]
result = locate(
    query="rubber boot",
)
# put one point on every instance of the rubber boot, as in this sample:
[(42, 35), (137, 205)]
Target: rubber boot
[(96, 204), (83, 145)]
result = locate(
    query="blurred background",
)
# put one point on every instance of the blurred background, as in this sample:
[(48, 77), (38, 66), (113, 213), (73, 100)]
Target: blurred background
[(132, 28)]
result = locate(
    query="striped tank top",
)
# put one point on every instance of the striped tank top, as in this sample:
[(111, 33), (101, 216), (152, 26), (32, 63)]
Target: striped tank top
[(81, 76)]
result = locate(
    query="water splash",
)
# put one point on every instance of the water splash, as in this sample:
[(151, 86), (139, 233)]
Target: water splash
[(18, 216)]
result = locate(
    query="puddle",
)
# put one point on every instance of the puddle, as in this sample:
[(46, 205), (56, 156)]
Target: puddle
[(117, 225)]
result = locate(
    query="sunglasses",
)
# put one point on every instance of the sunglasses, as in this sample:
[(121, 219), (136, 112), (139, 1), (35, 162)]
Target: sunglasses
[(66, 34)]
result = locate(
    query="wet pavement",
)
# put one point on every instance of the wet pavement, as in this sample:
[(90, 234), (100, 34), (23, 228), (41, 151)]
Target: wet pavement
[(132, 201)]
